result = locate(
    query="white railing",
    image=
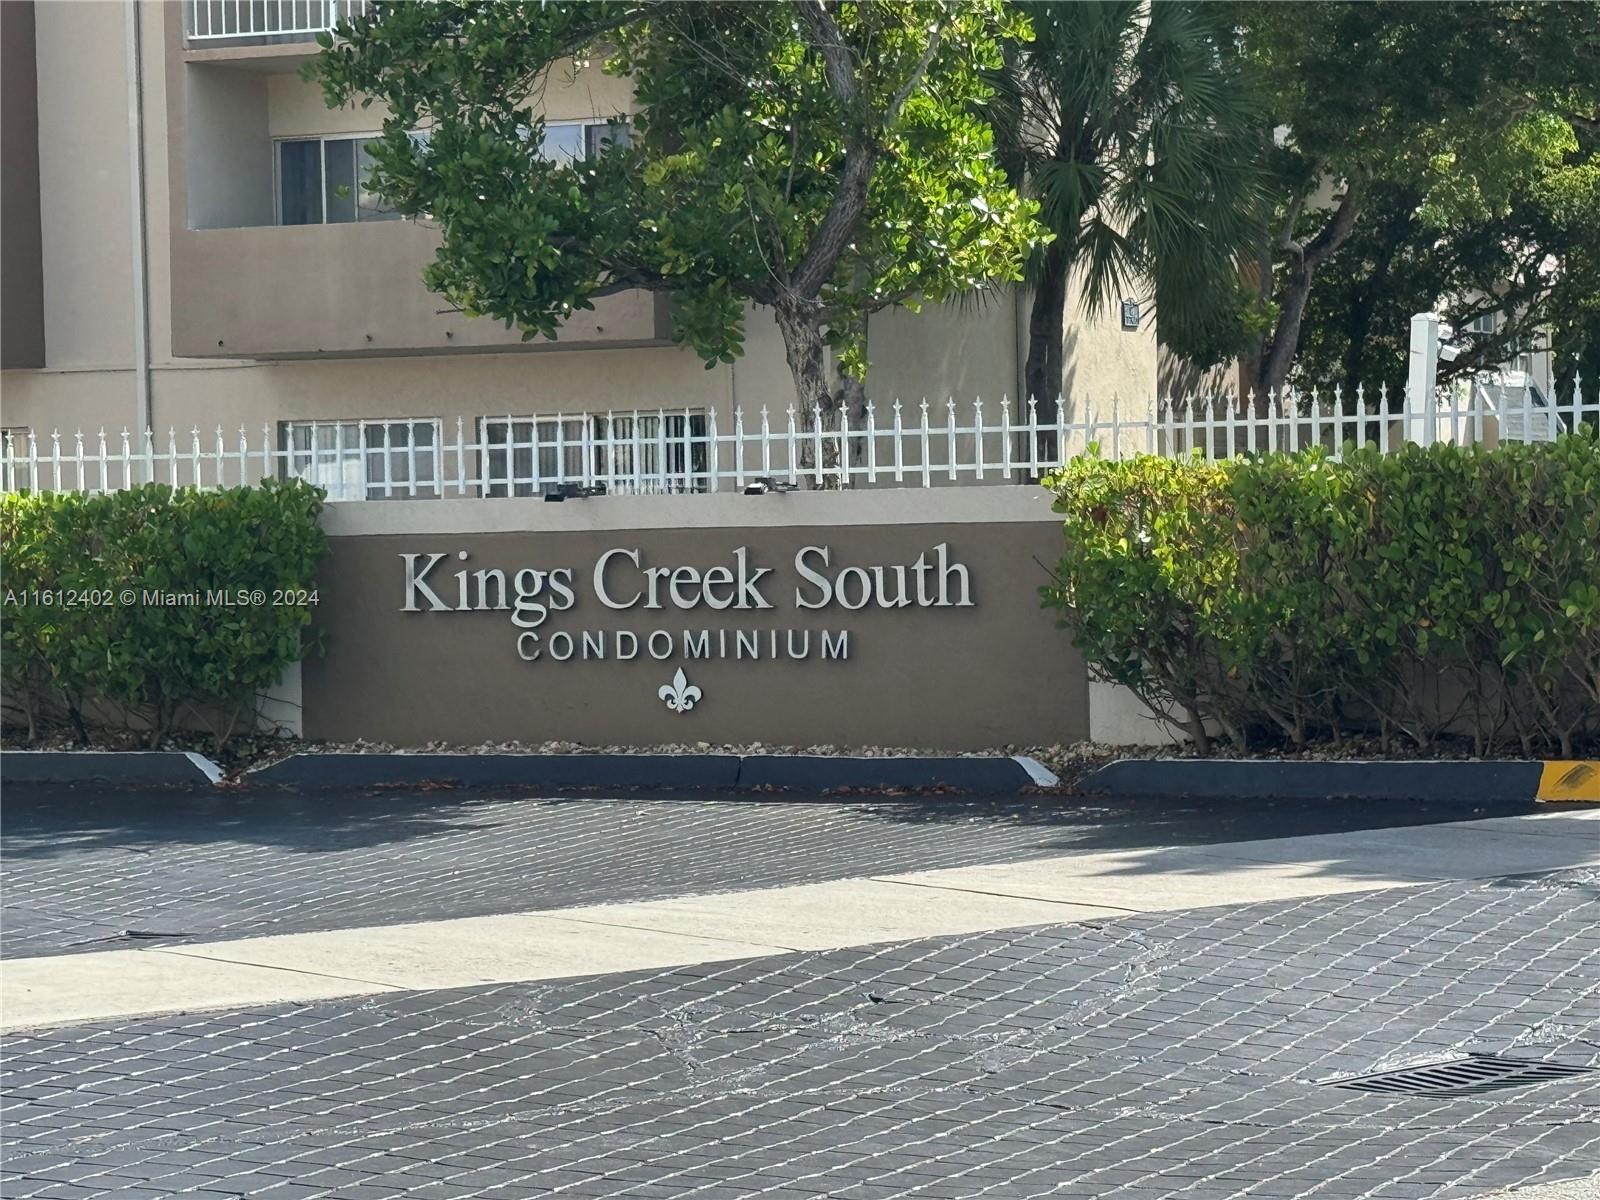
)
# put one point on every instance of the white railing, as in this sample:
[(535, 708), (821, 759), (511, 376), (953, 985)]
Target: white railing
[(1475, 411), (219, 20), (689, 450)]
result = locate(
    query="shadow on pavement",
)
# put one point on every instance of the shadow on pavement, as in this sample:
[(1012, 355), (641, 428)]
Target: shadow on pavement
[(1353, 839), (41, 821)]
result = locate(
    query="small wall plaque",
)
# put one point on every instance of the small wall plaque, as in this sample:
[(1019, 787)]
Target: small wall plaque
[(1130, 314)]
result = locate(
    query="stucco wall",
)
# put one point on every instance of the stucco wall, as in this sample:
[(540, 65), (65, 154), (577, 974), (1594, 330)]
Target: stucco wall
[(959, 350), (295, 108), (571, 92), (1103, 362), (83, 177), (468, 385), (21, 281), (230, 181)]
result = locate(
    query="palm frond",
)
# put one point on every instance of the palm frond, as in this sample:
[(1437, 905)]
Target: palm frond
[(1136, 130)]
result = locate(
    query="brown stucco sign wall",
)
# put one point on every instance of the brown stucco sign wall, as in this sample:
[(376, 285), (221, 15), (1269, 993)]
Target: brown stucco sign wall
[(709, 619)]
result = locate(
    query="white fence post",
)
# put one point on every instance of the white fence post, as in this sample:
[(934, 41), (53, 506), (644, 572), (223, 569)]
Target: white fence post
[(899, 446), (1422, 372), (950, 426), (872, 443)]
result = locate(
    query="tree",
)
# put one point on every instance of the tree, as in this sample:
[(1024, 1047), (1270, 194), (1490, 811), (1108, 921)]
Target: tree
[(1366, 98), (1132, 124), (825, 159), (1531, 261)]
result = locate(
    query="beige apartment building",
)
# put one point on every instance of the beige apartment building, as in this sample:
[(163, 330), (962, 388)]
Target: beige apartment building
[(187, 244)]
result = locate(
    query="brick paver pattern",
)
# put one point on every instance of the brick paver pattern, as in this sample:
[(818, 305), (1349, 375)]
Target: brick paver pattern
[(189, 872), (1171, 1055), (81, 872)]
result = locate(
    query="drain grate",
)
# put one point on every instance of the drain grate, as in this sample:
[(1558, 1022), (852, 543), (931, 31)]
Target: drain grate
[(1463, 1076)]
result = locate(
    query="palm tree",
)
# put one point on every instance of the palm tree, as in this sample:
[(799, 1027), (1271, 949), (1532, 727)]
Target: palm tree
[(1132, 124)]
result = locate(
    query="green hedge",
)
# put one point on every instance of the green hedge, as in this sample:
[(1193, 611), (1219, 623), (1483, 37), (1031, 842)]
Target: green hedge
[(87, 636), (1291, 598)]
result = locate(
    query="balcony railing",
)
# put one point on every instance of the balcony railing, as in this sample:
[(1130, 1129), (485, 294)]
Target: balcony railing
[(290, 20)]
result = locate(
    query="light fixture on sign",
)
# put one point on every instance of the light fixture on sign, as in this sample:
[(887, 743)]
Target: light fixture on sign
[(1130, 314), (766, 484), (574, 491)]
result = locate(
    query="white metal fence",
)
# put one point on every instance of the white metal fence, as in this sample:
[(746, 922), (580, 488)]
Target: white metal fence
[(689, 450), (219, 20)]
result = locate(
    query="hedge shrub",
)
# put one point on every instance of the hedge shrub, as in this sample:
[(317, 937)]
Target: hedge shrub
[(84, 639), (1290, 598)]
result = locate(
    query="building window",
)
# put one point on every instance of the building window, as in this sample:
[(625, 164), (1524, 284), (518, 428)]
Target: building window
[(327, 181), (647, 453), (567, 142), (364, 460)]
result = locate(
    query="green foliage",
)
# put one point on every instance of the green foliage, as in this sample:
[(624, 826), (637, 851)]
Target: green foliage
[(1149, 558), (1284, 649), (1141, 136), (117, 653), (1471, 109), (1448, 589), (1533, 262), (829, 158)]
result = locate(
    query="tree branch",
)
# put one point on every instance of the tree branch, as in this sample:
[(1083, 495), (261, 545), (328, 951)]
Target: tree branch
[(915, 78), (1333, 234), (837, 61), (1286, 240), (640, 284), (860, 157), (1274, 369)]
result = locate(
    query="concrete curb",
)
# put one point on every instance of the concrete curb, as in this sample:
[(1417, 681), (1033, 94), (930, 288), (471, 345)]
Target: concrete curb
[(1468, 782), (128, 768), (685, 772), (804, 772), (312, 770)]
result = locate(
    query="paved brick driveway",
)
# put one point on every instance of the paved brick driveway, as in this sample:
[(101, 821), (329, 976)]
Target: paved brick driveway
[(81, 869), (1173, 1055)]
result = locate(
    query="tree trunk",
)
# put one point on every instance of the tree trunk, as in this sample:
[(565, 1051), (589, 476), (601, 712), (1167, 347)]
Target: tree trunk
[(1046, 331), (807, 355), (850, 399), (1279, 356), (804, 349), (1275, 364), (1042, 373), (1197, 729)]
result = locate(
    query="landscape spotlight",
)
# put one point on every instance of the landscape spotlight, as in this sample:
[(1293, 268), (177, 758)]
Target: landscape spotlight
[(765, 484)]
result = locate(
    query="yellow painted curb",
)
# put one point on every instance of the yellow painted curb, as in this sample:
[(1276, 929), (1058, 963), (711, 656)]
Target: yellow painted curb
[(1570, 780)]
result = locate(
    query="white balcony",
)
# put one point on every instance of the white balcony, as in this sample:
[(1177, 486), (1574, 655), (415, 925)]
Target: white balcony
[(213, 22)]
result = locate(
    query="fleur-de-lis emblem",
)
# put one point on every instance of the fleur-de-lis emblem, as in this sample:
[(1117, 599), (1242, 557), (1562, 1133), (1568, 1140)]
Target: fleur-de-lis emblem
[(680, 694)]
